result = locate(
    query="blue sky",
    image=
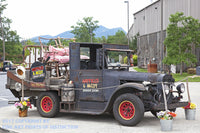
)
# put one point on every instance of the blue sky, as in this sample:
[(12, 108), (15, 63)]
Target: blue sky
[(51, 17)]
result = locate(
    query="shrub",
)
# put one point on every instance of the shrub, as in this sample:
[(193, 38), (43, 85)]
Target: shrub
[(134, 60)]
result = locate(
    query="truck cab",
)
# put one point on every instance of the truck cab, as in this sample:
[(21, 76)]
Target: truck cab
[(98, 83)]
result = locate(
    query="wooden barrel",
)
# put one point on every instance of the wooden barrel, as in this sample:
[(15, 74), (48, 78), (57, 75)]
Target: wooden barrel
[(152, 68)]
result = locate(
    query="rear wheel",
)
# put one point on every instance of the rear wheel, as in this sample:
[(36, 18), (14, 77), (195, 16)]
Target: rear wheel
[(48, 104), (128, 109)]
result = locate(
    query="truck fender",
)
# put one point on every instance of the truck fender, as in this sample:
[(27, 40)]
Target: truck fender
[(137, 86), (124, 88)]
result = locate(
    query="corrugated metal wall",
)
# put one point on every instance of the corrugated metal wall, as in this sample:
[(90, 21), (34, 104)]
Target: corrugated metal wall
[(173, 6), (139, 24), (152, 16), (195, 8), (148, 20)]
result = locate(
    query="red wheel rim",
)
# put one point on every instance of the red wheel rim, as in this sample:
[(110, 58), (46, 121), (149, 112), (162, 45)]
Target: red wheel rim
[(46, 104), (127, 110)]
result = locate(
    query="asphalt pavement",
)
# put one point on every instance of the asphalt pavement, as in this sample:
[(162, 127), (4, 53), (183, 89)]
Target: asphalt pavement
[(77, 123), (5, 94)]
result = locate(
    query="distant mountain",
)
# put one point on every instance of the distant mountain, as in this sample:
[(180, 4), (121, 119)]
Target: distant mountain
[(66, 34), (101, 31), (35, 39)]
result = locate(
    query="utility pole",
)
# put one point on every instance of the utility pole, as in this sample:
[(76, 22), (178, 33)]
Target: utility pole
[(91, 37), (127, 19), (2, 34), (161, 37)]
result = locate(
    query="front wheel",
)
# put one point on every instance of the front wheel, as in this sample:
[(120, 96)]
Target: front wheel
[(48, 104), (128, 109)]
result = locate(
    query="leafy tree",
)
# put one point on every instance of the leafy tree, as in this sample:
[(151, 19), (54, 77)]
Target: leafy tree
[(84, 30), (13, 47), (101, 39), (119, 38), (133, 43), (2, 7), (182, 34)]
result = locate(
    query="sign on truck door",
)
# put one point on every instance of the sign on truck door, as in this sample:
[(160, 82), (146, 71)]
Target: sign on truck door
[(91, 83)]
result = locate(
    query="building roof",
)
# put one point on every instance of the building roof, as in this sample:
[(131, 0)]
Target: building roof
[(146, 7)]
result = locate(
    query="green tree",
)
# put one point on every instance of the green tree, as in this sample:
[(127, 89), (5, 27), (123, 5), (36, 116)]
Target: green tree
[(133, 43), (2, 7), (102, 39), (119, 38), (84, 30), (13, 47), (182, 34)]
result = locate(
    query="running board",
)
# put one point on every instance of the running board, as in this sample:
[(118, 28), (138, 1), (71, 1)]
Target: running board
[(69, 107), (83, 112)]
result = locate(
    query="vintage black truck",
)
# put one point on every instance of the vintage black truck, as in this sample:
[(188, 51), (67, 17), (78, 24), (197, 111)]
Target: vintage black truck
[(96, 85)]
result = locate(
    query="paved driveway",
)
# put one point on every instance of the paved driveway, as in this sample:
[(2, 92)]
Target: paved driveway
[(76, 123)]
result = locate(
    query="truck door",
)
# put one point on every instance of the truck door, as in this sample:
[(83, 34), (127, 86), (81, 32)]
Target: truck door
[(84, 73)]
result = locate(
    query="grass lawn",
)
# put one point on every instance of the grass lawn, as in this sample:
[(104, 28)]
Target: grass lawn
[(140, 69), (176, 76)]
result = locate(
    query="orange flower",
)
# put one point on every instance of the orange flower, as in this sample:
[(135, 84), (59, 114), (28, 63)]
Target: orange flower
[(172, 114)]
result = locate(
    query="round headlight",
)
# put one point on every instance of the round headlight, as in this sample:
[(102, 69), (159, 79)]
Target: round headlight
[(181, 88), (20, 70), (167, 89), (18, 86)]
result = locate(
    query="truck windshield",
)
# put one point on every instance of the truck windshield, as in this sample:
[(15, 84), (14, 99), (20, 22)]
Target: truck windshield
[(117, 59)]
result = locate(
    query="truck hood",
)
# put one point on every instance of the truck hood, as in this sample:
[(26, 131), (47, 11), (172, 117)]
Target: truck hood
[(140, 77)]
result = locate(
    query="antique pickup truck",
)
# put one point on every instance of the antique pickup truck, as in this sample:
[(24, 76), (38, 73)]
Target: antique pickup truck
[(95, 85)]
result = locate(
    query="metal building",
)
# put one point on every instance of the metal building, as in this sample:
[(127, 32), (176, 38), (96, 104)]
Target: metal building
[(147, 22)]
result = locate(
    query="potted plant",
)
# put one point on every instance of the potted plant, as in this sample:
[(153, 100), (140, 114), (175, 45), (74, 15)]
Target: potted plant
[(166, 120), (190, 111), (23, 107)]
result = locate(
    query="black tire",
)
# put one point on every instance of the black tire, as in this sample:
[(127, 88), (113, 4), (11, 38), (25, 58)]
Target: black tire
[(128, 109), (48, 104)]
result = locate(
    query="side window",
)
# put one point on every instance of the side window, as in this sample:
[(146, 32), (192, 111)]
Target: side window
[(85, 52), (84, 57), (88, 56)]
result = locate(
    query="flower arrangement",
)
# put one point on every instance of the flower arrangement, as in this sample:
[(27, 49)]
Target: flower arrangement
[(23, 105), (166, 115), (190, 106)]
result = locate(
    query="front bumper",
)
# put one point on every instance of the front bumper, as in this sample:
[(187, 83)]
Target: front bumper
[(161, 106)]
